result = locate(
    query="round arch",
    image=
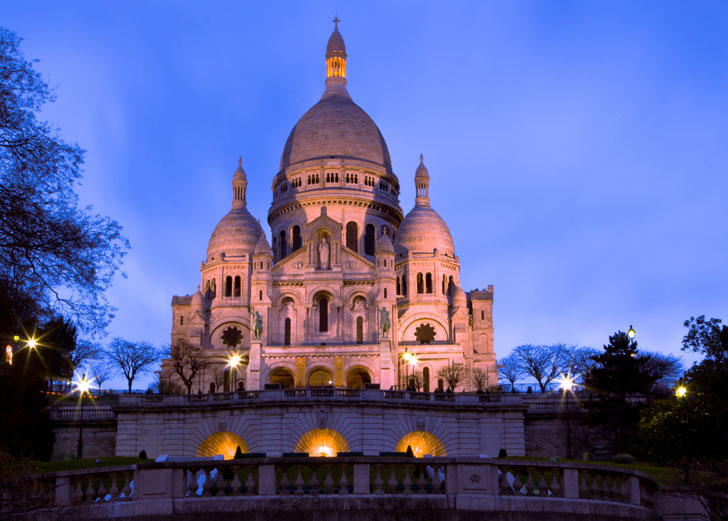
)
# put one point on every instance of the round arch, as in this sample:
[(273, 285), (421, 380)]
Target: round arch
[(232, 322), (357, 376), (422, 443), (223, 443), (283, 376), (322, 442), (293, 295), (319, 376)]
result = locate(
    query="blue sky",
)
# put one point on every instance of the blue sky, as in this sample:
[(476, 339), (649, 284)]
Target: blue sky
[(577, 150)]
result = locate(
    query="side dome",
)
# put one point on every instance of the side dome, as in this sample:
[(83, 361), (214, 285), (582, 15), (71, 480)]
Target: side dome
[(336, 128), (423, 230), (235, 235)]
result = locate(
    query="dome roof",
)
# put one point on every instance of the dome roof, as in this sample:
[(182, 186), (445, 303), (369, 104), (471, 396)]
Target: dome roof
[(336, 127), (384, 244), (197, 301), (262, 246), (336, 42), (236, 234), (423, 230)]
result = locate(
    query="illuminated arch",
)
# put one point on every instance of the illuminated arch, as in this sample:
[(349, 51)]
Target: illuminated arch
[(322, 442), (223, 442), (422, 443), (357, 376), (320, 376), (283, 376)]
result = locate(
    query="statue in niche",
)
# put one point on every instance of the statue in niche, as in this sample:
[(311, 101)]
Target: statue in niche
[(257, 325), (384, 322), (324, 253)]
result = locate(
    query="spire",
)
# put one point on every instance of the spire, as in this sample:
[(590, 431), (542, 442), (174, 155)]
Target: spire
[(240, 183), (336, 54), (422, 184)]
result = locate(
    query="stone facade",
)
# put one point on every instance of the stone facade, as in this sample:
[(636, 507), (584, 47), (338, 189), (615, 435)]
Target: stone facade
[(351, 289)]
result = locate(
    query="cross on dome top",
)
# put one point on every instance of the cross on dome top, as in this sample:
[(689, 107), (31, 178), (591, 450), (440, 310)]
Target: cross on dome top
[(336, 22)]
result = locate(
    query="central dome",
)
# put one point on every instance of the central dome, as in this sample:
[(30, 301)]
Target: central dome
[(336, 128)]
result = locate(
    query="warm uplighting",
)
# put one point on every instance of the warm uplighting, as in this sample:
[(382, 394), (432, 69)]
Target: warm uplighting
[(322, 443), (631, 332), (234, 361), (567, 383), (681, 391)]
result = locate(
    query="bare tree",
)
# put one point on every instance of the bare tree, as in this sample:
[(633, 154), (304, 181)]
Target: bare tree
[(665, 369), (480, 378), (417, 380), (510, 370), (85, 352), (131, 359), (452, 374), (578, 361), (101, 371), (543, 363), (187, 361)]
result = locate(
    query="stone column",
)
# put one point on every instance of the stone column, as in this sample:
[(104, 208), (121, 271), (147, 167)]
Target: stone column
[(386, 371), (252, 373)]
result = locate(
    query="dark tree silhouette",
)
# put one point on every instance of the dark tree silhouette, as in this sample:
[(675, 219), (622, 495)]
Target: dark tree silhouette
[(187, 361), (543, 363), (131, 359), (51, 251)]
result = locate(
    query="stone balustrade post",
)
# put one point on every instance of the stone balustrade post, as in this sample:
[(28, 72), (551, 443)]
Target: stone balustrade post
[(267, 480), (571, 483), (361, 478), (633, 490), (451, 479), (63, 491)]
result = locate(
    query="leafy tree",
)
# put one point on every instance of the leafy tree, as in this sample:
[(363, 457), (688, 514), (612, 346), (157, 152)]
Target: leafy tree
[(51, 251), (131, 359), (510, 370), (187, 361), (452, 374), (664, 369), (543, 363), (707, 337)]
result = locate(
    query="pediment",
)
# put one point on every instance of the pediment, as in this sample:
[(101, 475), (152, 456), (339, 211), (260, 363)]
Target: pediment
[(352, 261)]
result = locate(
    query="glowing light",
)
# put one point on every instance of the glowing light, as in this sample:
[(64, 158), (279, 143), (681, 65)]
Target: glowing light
[(681, 391), (16, 338), (413, 360), (32, 343), (9, 354), (631, 332), (234, 361), (567, 383), (322, 443), (407, 356), (83, 385), (422, 443), (223, 443)]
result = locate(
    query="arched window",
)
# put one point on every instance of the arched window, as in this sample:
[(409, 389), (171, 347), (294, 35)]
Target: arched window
[(420, 284), (426, 379), (296, 234), (282, 243), (404, 286), (399, 289), (236, 288), (287, 332), (181, 320), (428, 282), (228, 286), (482, 315), (440, 384), (260, 295), (444, 284), (275, 248), (450, 285), (214, 288), (352, 236), (323, 315), (369, 238), (359, 330)]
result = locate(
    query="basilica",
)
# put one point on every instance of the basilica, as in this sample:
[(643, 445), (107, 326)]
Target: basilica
[(350, 292)]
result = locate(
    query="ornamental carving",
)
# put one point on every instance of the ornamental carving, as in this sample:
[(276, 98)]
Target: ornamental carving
[(232, 337), (425, 334)]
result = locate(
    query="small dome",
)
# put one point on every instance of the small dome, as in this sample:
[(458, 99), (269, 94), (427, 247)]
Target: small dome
[(262, 246), (239, 174), (422, 172), (336, 42), (197, 302), (423, 230), (235, 235), (384, 244), (459, 296)]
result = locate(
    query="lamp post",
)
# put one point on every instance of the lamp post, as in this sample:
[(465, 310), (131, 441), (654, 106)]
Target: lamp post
[(567, 383), (631, 333), (82, 386)]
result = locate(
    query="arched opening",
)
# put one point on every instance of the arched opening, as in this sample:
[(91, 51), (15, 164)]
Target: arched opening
[(359, 330), (226, 380), (450, 286), (320, 377), (237, 286), (420, 284), (426, 379), (369, 239), (352, 236), (357, 377), (223, 443), (404, 286), (428, 282), (282, 243), (422, 443), (282, 376), (444, 284), (228, 286), (287, 332), (399, 287), (296, 236), (322, 442), (323, 305), (440, 385), (275, 248)]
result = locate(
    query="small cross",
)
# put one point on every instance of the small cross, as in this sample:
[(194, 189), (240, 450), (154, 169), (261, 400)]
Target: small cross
[(336, 22), (240, 162), (421, 158)]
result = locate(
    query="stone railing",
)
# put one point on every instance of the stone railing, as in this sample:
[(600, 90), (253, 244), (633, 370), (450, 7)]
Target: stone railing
[(511, 485), (68, 414), (325, 393)]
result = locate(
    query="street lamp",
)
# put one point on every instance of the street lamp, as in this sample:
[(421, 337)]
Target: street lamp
[(82, 386), (32, 343), (681, 391), (631, 333), (233, 363), (567, 384)]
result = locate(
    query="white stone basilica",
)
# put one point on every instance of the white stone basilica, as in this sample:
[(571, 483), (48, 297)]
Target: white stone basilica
[(351, 292)]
